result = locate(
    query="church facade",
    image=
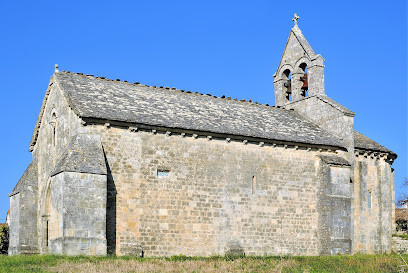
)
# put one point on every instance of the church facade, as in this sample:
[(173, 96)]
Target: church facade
[(129, 169)]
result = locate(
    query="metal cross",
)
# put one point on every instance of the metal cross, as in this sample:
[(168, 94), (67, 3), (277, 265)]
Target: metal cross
[(295, 19)]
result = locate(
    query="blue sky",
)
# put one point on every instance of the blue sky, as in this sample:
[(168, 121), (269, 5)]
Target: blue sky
[(218, 47)]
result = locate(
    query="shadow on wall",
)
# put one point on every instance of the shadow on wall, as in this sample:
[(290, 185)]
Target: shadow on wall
[(110, 212), (234, 248)]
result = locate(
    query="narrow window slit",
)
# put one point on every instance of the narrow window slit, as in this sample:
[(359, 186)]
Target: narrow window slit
[(369, 199), (253, 181)]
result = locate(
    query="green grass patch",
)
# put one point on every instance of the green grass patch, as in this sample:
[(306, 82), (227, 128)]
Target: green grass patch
[(227, 263), (403, 236)]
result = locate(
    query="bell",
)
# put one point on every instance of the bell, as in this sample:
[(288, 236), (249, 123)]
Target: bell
[(288, 86), (305, 85)]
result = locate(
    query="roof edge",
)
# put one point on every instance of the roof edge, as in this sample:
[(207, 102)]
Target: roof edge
[(328, 100), (28, 174), (297, 32), (362, 151), (37, 126), (378, 149), (334, 160), (53, 81), (163, 129)]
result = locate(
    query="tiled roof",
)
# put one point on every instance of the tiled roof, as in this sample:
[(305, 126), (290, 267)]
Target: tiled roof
[(365, 143), (29, 174), (98, 98), (334, 160), (84, 154)]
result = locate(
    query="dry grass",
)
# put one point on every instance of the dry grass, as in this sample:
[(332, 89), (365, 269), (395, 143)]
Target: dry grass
[(340, 263), (207, 266)]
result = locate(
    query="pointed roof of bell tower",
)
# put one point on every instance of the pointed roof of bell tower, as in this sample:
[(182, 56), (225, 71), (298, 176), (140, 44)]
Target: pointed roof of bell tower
[(296, 45), (302, 40)]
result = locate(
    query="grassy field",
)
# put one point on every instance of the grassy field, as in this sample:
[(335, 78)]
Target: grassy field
[(340, 263)]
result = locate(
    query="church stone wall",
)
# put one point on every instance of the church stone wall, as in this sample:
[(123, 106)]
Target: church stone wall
[(28, 219), (325, 113), (335, 210), (202, 202), (47, 154), (373, 205)]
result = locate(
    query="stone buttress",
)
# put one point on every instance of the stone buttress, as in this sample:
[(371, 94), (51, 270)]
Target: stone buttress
[(23, 213), (77, 199)]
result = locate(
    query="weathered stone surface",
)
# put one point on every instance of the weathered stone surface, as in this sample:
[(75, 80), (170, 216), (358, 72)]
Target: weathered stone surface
[(205, 206), (298, 55), (23, 213), (373, 205), (335, 206), (399, 245), (77, 215)]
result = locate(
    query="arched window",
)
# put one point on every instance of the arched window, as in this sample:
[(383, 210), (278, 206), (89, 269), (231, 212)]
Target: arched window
[(305, 87), (287, 84)]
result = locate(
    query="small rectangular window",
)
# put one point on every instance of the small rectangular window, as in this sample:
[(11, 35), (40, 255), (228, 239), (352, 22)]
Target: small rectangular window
[(369, 199), (162, 173)]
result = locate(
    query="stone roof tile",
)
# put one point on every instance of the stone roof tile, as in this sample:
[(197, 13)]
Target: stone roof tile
[(84, 154), (92, 97), (334, 160), (30, 175), (365, 143)]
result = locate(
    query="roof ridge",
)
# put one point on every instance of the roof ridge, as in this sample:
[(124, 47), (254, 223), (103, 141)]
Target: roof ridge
[(326, 99), (175, 89), (335, 104)]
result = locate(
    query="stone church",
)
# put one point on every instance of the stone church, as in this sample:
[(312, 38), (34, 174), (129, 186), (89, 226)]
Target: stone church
[(130, 169)]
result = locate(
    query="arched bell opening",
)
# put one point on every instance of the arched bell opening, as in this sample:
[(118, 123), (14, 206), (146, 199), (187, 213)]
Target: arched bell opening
[(286, 76), (305, 86)]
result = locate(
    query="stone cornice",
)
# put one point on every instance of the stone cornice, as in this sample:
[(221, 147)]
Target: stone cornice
[(210, 135)]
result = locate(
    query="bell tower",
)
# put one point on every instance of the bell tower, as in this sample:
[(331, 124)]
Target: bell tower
[(300, 73)]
